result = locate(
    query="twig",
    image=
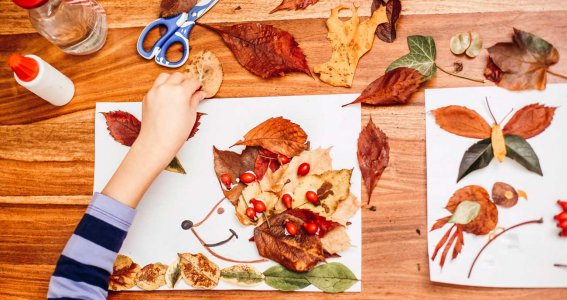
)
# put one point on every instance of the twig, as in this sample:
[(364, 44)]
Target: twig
[(557, 74), (461, 76), (539, 221)]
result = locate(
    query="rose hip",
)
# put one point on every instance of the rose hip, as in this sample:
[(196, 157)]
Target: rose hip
[(251, 213), (287, 200), (563, 204), (311, 228), (259, 206), (248, 177), (284, 160), (303, 169), (291, 228), (562, 216), (312, 197), (226, 180)]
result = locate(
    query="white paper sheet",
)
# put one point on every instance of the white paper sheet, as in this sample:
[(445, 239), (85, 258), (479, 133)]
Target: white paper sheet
[(156, 234), (523, 257)]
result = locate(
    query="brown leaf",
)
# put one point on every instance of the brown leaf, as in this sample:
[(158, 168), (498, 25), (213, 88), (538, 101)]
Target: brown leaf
[(151, 277), (334, 186), (459, 243), (394, 87), (123, 274), (350, 40), (264, 50), (234, 164), (387, 31), (122, 126), (462, 121), (293, 5), (488, 215), (530, 121), (299, 253), (198, 271), (373, 155), (206, 68), (492, 72), (196, 126), (170, 8), (523, 62), (278, 135)]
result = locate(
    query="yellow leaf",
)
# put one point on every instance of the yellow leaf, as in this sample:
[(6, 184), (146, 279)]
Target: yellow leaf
[(336, 240), (498, 143), (350, 40), (332, 187), (346, 209), (254, 191)]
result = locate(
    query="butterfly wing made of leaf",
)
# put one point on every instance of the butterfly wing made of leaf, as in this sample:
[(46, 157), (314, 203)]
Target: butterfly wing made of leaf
[(462, 121), (478, 156), (530, 121), (521, 151), (421, 57)]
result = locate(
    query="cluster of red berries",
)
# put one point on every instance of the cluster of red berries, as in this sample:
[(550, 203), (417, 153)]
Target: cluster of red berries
[(258, 207), (249, 176), (562, 218), (292, 229)]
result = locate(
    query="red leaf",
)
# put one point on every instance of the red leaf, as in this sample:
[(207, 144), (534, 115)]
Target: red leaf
[(373, 155), (264, 160), (309, 216), (122, 126), (294, 5), (387, 31), (196, 126), (264, 50)]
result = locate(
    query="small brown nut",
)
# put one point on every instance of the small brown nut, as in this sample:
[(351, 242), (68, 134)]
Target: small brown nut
[(504, 194)]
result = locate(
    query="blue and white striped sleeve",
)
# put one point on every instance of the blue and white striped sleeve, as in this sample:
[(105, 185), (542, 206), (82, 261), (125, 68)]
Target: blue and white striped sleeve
[(85, 265)]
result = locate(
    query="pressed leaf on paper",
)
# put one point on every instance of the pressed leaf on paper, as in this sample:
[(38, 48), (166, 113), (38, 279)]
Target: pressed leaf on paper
[(244, 275), (462, 121), (264, 50), (170, 8), (350, 40), (198, 271), (265, 160), (478, 156), (498, 143), (293, 5), (393, 88), (387, 31), (151, 277), (520, 150), (465, 212), (421, 57), (123, 274), (309, 216), (278, 135), (530, 121), (373, 155), (332, 188), (234, 164), (332, 277), (196, 126), (283, 279), (521, 64)]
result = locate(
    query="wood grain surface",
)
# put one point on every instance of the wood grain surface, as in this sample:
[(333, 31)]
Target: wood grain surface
[(47, 152)]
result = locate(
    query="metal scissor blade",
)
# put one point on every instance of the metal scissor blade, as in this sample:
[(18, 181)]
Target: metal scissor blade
[(200, 9)]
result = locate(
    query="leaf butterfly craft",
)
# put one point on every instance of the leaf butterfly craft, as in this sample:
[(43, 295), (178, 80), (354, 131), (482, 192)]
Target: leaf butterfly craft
[(496, 141)]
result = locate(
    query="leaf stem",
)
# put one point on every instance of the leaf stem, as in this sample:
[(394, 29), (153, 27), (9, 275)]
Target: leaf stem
[(538, 221), (557, 74), (461, 76)]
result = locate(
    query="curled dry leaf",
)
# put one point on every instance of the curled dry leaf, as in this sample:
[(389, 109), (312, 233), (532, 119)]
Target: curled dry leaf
[(462, 121), (206, 68), (123, 274), (504, 194), (151, 277), (234, 164), (350, 40), (278, 135), (264, 50), (244, 275), (299, 252), (198, 271), (170, 8), (293, 5), (373, 155), (393, 88), (530, 121), (521, 64), (387, 31), (332, 187)]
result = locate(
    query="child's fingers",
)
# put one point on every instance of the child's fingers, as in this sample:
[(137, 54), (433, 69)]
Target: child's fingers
[(191, 86), (175, 78), (162, 77), (196, 98)]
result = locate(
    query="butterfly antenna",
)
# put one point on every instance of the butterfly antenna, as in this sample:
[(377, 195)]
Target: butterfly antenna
[(506, 116), (490, 110)]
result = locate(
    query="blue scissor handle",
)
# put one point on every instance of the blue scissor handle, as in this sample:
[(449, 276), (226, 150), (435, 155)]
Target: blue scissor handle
[(181, 36), (169, 23)]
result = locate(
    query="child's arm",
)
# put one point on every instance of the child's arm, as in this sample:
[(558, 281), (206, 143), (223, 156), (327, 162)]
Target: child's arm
[(169, 112)]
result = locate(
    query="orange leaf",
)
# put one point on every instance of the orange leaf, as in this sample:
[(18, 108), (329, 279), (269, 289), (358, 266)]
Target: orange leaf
[(440, 223), (294, 5), (459, 243), (278, 135), (462, 121), (394, 87), (448, 246), (488, 215), (498, 143), (373, 155), (441, 242), (530, 121)]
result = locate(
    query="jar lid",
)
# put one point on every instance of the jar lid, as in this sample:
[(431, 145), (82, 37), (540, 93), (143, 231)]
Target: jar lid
[(28, 4)]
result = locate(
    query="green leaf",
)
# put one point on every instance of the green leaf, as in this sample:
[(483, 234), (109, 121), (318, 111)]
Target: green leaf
[(534, 44), (476, 157), (518, 149), (283, 279), (332, 277), (242, 275), (465, 212), (421, 57), (175, 166)]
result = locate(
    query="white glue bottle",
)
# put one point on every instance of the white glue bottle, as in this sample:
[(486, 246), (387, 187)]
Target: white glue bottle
[(42, 79)]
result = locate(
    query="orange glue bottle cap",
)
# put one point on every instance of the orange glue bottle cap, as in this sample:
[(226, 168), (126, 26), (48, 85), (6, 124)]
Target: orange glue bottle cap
[(25, 68)]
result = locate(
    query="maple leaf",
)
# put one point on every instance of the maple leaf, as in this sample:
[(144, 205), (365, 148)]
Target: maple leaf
[(373, 155), (299, 252), (265, 159), (234, 164), (522, 64), (530, 121), (394, 87), (264, 50), (170, 8), (387, 31), (293, 5), (278, 135), (350, 40)]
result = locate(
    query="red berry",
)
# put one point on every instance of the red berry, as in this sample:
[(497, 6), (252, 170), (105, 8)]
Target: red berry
[(312, 197), (562, 224), (248, 177), (311, 228), (259, 206), (563, 233), (287, 200), (284, 160), (563, 204), (561, 216), (291, 228), (226, 180), (251, 213), (303, 169)]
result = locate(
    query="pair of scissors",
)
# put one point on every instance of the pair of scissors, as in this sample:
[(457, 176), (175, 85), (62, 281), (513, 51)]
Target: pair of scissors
[(178, 29)]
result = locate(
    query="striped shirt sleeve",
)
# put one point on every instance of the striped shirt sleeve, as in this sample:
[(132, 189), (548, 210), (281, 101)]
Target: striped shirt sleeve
[(85, 265)]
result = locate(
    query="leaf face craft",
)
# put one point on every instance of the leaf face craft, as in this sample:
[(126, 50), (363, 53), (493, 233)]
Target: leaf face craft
[(509, 141)]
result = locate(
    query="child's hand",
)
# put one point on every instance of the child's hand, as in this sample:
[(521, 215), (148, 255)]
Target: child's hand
[(168, 114)]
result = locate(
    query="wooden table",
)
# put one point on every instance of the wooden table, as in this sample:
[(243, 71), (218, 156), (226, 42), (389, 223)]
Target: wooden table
[(47, 153)]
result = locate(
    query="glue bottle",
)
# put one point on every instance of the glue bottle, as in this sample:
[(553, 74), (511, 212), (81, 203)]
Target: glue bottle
[(42, 79)]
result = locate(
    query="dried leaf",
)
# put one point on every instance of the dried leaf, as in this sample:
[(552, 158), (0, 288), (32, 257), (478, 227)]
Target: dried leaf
[(332, 277), (465, 212), (530, 121), (264, 50), (198, 271), (520, 150), (373, 155), (175, 166), (440, 223), (308, 216), (421, 57), (173, 273), (206, 68), (478, 156), (346, 209), (123, 274), (336, 240), (299, 253), (278, 135), (170, 8), (393, 88), (523, 63), (387, 31), (151, 277), (487, 218), (264, 161), (459, 243), (253, 191), (462, 121), (337, 180), (498, 143), (350, 40), (196, 126), (283, 279), (244, 275), (293, 5), (234, 164)]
